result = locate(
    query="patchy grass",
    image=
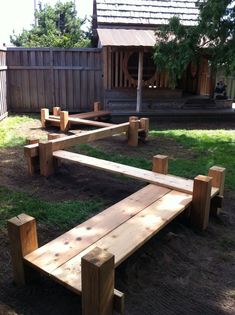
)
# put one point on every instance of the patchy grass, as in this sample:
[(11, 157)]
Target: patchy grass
[(119, 158), (9, 131), (62, 214), (212, 147)]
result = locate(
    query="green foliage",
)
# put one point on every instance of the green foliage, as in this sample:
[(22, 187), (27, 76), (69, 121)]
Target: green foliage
[(63, 214), (178, 45), (57, 26)]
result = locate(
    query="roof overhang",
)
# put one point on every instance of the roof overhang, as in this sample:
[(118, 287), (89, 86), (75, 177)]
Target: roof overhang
[(126, 37)]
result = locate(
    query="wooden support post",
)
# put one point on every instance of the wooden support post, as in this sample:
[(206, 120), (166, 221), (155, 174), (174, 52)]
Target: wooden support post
[(200, 210), (64, 121), (97, 283), (160, 164), (56, 111), (22, 233), (97, 106), (218, 177), (133, 132), (52, 136), (144, 124), (44, 116), (46, 158), (139, 85), (32, 162)]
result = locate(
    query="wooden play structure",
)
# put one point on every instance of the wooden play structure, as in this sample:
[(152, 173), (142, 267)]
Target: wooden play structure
[(135, 129), (65, 121), (84, 259)]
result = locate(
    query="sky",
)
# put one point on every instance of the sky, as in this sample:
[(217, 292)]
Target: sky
[(18, 14)]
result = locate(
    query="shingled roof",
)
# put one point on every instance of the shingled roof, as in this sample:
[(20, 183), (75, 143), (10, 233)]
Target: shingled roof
[(145, 12)]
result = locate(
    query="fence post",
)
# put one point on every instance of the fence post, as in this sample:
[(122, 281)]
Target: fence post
[(218, 178), (22, 234), (46, 158), (64, 121), (97, 282), (32, 162), (199, 215), (133, 131), (160, 164), (44, 116)]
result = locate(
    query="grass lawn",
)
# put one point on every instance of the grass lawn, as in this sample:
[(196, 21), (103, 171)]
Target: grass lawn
[(206, 148)]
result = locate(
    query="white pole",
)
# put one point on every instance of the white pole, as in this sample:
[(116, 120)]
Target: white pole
[(139, 86)]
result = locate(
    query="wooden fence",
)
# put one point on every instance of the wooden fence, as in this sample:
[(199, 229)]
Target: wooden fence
[(3, 86), (44, 77)]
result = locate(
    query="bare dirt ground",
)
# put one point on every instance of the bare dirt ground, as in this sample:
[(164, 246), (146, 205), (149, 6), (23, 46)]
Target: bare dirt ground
[(180, 271)]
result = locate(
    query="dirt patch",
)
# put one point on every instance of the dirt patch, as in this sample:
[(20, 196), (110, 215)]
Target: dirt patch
[(180, 271)]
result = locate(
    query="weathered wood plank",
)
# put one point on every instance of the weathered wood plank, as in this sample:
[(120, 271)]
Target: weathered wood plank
[(128, 237), (57, 252), (93, 114), (168, 181)]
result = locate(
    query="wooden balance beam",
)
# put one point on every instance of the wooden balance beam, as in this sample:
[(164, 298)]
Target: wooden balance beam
[(84, 258), (64, 121), (134, 128)]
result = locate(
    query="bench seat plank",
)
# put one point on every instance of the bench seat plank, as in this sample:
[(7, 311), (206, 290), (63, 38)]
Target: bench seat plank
[(99, 113), (57, 252), (128, 237), (169, 181)]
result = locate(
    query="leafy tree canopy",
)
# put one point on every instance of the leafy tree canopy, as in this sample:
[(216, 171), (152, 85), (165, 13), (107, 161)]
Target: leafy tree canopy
[(214, 35), (56, 26)]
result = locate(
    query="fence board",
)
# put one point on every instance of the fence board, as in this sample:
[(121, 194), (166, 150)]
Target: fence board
[(44, 77), (3, 84)]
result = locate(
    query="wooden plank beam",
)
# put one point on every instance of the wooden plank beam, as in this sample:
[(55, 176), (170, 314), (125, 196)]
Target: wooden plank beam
[(128, 237), (46, 158), (89, 122), (56, 111), (133, 132), (65, 142), (97, 269), (93, 114), (23, 240), (89, 136), (168, 181), (80, 237)]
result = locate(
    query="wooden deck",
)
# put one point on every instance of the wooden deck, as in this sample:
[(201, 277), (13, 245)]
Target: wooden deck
[(120, 230)]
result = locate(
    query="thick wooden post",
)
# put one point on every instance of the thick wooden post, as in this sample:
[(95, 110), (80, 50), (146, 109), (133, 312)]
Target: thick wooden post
[(133, 131), (218, 178), (97, 106), (200, 210), (22, 233), (64, 121), (46, 158), (56, 111), (97, 283), (44, 116), (32, 162), (144, 124), (52, 136), (139, 85), (160, 164)]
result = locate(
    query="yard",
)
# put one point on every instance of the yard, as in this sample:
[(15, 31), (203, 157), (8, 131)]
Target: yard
[(180, 271)]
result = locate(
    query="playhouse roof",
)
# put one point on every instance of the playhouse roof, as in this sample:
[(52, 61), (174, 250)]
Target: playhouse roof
[(145, 13)]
